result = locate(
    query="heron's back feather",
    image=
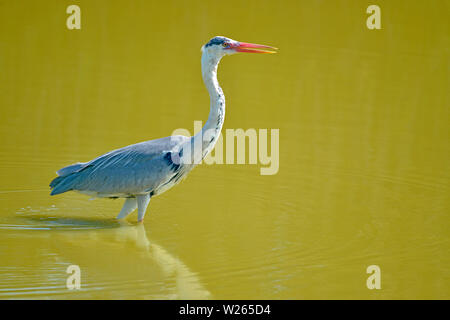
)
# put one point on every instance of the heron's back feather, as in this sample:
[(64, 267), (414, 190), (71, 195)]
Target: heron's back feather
[(134, 169), (70, 169)]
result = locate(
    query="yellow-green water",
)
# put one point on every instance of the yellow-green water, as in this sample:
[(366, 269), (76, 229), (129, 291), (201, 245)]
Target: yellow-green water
[(364, 150)]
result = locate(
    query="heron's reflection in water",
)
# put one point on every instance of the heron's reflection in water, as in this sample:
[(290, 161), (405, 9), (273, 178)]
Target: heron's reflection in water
[(117, 261), (188, 285)]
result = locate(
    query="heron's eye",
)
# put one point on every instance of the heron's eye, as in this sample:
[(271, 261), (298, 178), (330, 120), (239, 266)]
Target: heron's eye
[(225, 44)]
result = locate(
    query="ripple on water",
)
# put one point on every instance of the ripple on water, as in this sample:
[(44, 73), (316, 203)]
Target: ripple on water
[(46, 219)]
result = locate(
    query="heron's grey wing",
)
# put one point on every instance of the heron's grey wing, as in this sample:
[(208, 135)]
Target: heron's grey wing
[(133, 169)]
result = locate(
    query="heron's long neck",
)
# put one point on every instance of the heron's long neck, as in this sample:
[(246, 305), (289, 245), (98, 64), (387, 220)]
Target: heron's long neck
[(210, 132)]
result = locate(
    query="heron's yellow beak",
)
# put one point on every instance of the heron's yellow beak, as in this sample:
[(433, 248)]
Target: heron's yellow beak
[(253, 48)]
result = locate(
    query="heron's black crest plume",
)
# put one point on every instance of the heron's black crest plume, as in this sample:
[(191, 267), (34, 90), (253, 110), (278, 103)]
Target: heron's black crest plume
[(216, 40)]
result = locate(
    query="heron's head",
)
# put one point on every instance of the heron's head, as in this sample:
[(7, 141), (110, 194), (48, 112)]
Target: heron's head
[(221, 46)]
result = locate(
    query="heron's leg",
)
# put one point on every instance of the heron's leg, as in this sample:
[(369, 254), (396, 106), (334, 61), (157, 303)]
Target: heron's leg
[(128, 207), (142, 202)]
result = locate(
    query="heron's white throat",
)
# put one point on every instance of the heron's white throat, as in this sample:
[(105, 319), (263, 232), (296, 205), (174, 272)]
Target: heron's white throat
[(203, 142)]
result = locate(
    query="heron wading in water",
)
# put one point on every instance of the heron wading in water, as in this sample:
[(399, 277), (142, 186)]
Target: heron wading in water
[(141, 171)]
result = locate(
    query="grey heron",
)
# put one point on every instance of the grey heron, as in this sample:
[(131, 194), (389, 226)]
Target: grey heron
[(141, 171)]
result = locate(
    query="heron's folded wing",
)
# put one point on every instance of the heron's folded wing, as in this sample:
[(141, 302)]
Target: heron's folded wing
[(133, 169)]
